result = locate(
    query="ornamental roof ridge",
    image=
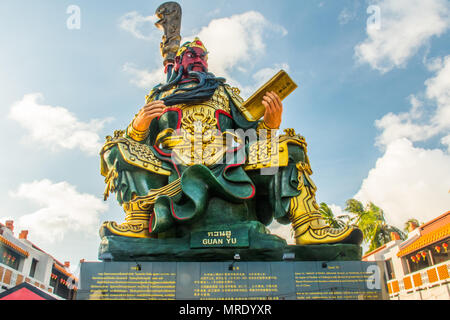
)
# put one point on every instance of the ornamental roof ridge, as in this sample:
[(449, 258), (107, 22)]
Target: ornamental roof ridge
[(436, 223), (436, 235), (9, 236)]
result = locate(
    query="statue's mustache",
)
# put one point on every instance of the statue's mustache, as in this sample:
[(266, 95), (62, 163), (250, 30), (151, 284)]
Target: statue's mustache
[(196, 64)]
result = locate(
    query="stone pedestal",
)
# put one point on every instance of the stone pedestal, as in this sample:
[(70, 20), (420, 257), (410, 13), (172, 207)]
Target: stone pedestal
[(250, 240), (228, 261)]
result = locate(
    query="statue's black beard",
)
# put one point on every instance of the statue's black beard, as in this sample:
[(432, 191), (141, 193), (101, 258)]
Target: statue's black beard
[(207, 85)]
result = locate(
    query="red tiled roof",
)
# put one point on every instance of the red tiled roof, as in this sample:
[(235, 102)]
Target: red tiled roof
[(64, 271), (436, 230), (25, 291), (436, 223)]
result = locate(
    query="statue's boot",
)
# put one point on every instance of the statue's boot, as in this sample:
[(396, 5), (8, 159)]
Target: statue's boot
[(136, 223), (138, 213), (308, 224)]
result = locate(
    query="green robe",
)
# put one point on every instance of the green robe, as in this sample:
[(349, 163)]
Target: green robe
[(218, 194)]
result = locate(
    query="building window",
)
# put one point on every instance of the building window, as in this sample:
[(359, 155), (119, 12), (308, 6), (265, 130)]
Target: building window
[(53, 279), (60, 284), (440, 252), (33, 267), (419, 261), (9, 257), (390, 269)]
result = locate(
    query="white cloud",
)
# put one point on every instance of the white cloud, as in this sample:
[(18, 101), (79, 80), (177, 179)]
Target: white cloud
[(416, 125), (260, 77), (141, 27), (283, 231), (56, 127), (396, 126), (144, 78), (337, 210), (265, 74), (62, 210), (409, 182), (405, 26), (438, 90), (446, 141), (233, 42), (236, 40)]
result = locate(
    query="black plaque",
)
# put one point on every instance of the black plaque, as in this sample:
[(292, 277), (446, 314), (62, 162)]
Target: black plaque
[(232, 280)]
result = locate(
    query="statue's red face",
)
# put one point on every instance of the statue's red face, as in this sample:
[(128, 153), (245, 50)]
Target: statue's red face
[(194, 59)]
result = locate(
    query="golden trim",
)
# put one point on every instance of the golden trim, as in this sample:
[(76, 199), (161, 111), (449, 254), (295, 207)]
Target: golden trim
[(109, 181), (140, 155), (149, 98), (307, 222), (199, 140), (425, 240), (137, 135), (263, 126), (143, 204), (14, 247), (134, 153), (281, 84), (273, 152), (266, 154), (138, 212), (132, 229), (192, 44)]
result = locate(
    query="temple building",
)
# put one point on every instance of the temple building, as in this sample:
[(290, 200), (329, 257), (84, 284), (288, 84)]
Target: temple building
[(22, 262), (418, 268)]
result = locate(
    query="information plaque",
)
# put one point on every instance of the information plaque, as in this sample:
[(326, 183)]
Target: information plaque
[(283, 280)]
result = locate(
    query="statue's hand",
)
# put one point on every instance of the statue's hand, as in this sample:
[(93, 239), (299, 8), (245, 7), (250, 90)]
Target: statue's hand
[(274, 110), (145, 116)]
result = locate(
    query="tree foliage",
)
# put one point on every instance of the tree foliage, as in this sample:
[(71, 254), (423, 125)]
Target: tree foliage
[(328, 216), (371, 220), (411, 223)]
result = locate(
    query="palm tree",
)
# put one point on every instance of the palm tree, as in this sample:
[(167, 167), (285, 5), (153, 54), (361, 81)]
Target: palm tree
[(355, 210), (329, 217), (410, 225), (372, 222)]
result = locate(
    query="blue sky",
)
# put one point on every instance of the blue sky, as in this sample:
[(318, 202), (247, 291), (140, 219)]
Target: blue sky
[(373, 100)]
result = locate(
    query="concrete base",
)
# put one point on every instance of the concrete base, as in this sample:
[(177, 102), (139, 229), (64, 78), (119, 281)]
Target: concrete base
[(250, 240)]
